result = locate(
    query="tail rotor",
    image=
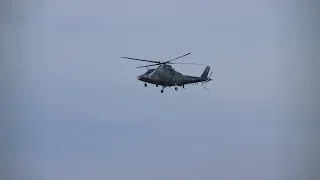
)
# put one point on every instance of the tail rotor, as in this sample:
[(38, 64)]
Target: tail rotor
[(204, 83)]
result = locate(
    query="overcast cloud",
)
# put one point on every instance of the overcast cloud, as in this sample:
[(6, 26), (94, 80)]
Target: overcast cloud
[(83, 114)]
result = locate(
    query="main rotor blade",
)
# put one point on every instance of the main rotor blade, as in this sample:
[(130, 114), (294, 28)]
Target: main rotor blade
[(177, 57), (148, 65), (187, 63), (141, 60)]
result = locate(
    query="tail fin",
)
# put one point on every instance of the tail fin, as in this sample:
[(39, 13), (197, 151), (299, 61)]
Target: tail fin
[(205, 72)]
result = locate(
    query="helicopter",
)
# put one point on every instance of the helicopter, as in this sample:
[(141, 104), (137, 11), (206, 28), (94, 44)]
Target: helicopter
[(166, 76)]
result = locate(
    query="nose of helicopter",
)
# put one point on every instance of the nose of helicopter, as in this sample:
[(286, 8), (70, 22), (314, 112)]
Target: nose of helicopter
[(141, 78)]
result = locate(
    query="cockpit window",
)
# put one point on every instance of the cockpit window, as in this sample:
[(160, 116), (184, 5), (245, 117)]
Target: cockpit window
[(149, 71)]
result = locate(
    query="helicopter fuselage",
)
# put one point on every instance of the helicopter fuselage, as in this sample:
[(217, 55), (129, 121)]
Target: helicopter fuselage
[(165, 76)]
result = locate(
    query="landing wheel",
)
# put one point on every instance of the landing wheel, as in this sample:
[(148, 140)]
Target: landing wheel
[(145, 84), (161, 90), (156, 85), (176, 88)]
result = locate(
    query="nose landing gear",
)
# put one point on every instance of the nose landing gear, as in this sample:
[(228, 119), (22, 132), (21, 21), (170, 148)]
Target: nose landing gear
[(162, 89), (176, 87)]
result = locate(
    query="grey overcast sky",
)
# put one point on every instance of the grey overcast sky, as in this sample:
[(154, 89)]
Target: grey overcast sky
[(82, 114)]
